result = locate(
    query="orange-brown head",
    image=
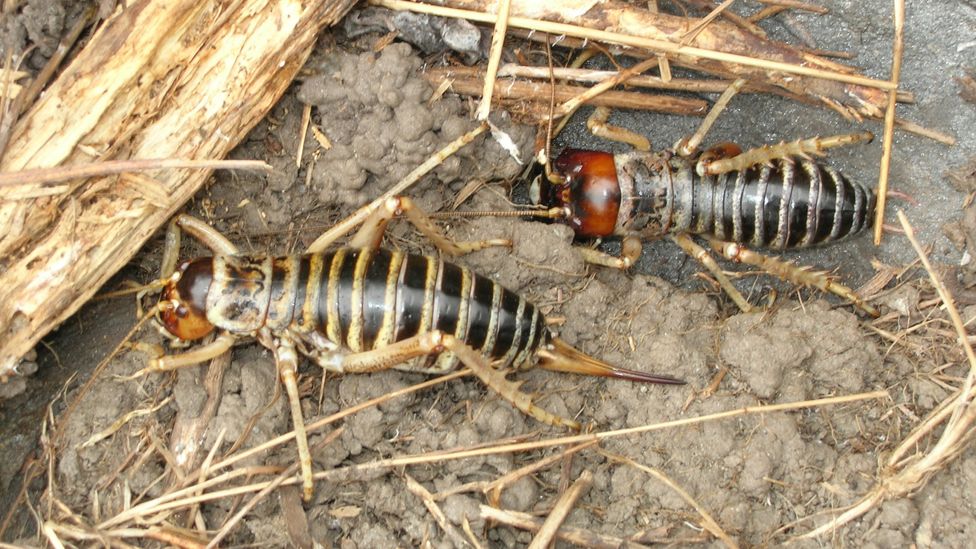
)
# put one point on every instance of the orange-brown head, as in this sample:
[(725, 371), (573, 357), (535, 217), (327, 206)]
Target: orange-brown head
[(184, 301), (589, 195)]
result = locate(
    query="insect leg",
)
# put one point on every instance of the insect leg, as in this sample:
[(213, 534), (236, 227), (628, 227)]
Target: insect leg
[(701, 254), (171, 256), (436, 341), (286, 359), (206, 234), (689, 145), (801, 276), (371, 232), (598, 126), (802, 148), (630, 250), (221, 344)]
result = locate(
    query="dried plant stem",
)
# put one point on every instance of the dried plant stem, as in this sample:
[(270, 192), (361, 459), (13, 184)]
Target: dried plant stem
[(246, 508), (408, 181), (463, 81), (705, 21), (641, 81), (190, 494), (577, 536), (151, 506), (934, 135), (708, 522), (563, 506), (60, 174), (493, 487), (302, 132), (957, 323), (903, 477), (635, 41), (425, 496), (889, 121), (494, 57), (797, 5), (579, 439), (570, 106)]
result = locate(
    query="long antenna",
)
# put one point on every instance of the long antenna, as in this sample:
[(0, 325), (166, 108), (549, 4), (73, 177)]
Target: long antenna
[(551, 213)]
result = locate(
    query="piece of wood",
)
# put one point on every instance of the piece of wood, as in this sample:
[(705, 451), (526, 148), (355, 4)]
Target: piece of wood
[(160, 79), (470, 80), (721, 48)]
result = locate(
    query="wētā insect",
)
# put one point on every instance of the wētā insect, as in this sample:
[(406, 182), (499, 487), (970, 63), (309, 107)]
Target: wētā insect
[(774, 197), (362, 309)]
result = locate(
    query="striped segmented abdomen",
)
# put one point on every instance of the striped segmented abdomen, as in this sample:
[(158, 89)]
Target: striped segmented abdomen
[(356, 300), (790, 203)]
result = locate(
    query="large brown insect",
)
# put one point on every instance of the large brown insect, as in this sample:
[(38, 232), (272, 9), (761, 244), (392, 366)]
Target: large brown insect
[(363, 309), (775, 197)]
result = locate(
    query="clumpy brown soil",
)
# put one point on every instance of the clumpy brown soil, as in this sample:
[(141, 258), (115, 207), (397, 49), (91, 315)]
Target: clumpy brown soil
[(755, 474)]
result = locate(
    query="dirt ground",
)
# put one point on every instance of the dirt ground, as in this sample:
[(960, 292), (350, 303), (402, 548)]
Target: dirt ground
[(762, 477)]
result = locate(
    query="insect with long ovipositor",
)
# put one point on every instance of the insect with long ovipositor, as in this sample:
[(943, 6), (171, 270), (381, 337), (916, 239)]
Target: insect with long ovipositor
[(362, 308), (775, 197)]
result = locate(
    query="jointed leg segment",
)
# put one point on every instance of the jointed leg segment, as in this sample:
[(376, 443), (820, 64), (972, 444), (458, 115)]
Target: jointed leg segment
[(701, 254), (436, 341), (630, 251), (370, 234), (801, 276)]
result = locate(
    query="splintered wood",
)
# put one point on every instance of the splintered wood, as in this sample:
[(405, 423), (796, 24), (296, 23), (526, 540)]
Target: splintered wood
[(160, 79), (720, 48)]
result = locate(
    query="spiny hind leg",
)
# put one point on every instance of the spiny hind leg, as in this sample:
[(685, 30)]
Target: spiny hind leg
[(802, 148), (286, 359), (701, 254), (598, 125), (790, 272), (630, 251), (435, 342), (370, 234)]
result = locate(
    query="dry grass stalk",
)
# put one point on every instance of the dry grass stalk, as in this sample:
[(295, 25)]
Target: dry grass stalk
[(425, 496), (901, 476), (690, 35), (889, 121), (797, 5), (194, 494), (45, 178), (340, 229), (565, 503), (195, 490), (934, 135), (492, 488), (189, 85), (494, 57), (569, 107), (467, 81), (709, 523), (577, 536), (716, 85), (290, 472), (753, 58)]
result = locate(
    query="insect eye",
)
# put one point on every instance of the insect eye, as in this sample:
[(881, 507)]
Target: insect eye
[(181, 311)]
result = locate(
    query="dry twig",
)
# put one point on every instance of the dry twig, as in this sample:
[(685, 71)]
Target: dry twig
[(902, 477)]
